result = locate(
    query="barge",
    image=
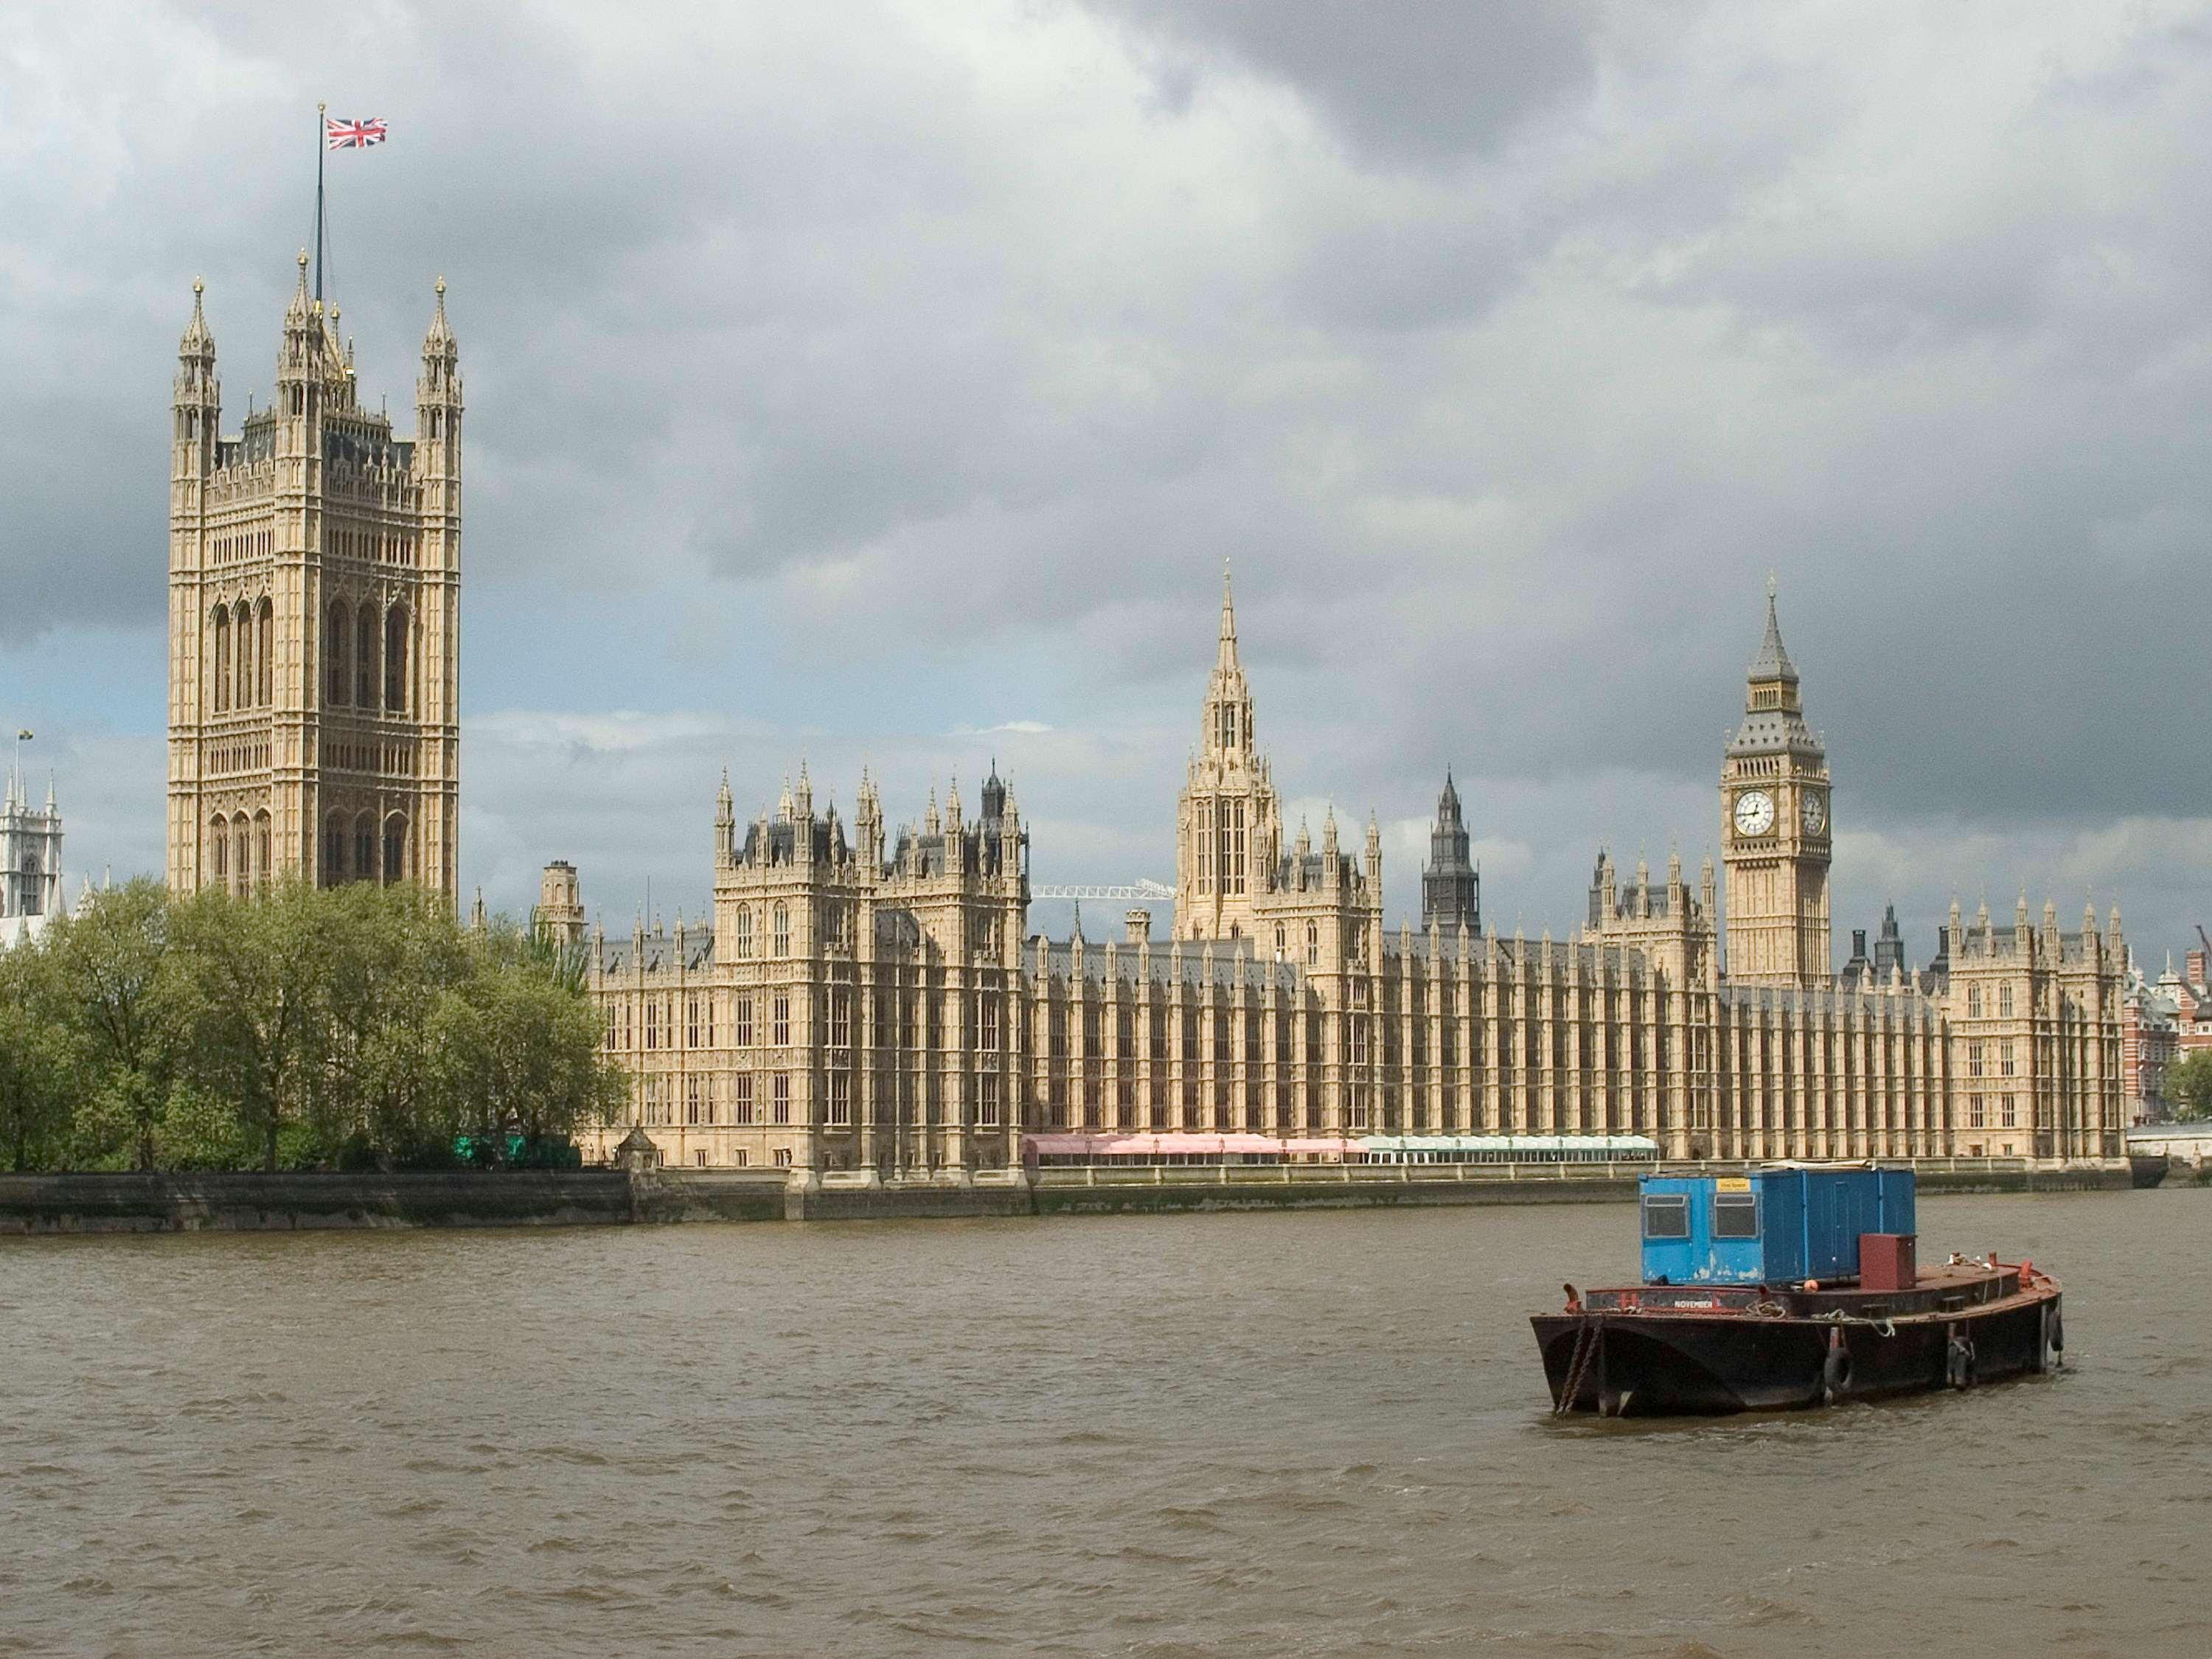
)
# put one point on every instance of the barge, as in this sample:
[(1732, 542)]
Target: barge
[(1787, 1287)]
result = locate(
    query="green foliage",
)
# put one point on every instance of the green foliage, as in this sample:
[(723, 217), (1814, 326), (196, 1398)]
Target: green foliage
[(355, 1027), (2189, 1087), (39, 1059)]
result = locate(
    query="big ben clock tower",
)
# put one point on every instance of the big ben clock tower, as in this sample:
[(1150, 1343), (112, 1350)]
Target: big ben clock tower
[(1775, 829)]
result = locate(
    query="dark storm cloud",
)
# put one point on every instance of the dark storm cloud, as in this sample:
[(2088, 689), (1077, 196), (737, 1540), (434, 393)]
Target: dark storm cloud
[(1425, 81), (838, 376)]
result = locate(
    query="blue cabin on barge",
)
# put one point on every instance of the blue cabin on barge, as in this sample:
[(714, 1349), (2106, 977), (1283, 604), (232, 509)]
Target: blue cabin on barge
[(1772, 1226)]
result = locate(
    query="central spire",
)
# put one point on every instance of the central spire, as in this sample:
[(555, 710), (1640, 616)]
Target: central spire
[(1772, 663), (1228, 658)]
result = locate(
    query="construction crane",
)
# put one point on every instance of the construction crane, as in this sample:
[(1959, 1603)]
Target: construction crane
[(1142, 888)]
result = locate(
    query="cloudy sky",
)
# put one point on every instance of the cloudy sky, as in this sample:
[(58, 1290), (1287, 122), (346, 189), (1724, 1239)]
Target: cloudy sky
[(888, 381)]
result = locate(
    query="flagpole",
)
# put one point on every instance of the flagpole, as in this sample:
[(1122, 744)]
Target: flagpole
[(321, 144)]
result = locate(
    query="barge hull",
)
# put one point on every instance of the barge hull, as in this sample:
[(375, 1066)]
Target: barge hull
[(1642, 1363)]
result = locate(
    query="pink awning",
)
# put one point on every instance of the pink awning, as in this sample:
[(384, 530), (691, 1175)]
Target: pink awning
[(1148, 1145)]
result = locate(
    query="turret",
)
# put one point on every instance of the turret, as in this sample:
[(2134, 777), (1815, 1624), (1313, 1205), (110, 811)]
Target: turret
[(301, 388), (725, 824), (438, 439), (868, 826), (198, 397), (561, 904)]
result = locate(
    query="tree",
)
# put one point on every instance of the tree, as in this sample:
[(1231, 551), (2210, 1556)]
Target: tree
[(518, 1049), (253, 978), (40, 1071), (395, 952), (296, 1026), (2189, 1086), (111, 984)]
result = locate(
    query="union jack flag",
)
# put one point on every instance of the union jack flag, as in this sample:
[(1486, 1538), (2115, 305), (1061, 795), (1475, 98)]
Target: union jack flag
[(352, 135)]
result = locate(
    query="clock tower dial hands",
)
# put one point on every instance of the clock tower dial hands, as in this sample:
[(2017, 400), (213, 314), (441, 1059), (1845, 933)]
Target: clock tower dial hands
[(1754, 812)]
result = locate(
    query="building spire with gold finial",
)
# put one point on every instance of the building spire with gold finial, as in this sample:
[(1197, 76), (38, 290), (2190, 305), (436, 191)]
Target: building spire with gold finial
[(199, 340)]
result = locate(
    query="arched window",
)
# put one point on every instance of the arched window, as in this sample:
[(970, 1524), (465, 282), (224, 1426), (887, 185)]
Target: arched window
[(263, 654), (364, 848), (335, 640), (221, 675), (782, 931), (241, 695), (395, 660), (241, 845), (263, 847), (334, 850), (745, 930), (395, 849), (1313, 945), (364, 657), (219, 849), (1278, 941)]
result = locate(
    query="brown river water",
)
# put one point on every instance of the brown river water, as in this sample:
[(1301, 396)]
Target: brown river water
[(1223, 1434)]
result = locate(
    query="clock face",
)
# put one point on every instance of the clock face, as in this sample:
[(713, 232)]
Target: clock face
[(1814, 811), (1754, 812)]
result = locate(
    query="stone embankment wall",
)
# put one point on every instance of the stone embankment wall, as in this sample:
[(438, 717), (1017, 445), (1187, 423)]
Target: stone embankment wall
[(297, 1201), (287, 1202)]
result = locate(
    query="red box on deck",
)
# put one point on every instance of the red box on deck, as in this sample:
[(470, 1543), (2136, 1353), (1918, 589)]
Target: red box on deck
[(1886, 1262)]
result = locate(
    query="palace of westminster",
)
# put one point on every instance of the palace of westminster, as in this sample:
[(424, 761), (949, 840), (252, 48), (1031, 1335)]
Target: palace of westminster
[(868, 998)]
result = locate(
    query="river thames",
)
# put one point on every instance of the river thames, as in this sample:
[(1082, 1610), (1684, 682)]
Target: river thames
[(1226, 1434)]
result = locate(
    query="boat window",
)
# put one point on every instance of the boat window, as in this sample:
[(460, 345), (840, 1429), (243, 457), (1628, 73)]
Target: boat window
[(1666, 1215), (1735, 1215)]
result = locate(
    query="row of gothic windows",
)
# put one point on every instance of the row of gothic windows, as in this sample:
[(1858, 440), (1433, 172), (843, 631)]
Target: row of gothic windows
[(242, 653), (240, 850), (351, 659), (779, 921), (1221, 846), (365, 656), (1313, 943), (353, 851)]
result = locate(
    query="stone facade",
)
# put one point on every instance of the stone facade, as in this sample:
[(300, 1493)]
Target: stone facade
[(314, 590), (2035, 1031), (870, 1002)]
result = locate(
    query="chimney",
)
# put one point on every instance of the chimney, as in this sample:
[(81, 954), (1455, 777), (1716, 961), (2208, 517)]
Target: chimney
[(1140, 924), (2196, 961)]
